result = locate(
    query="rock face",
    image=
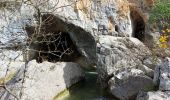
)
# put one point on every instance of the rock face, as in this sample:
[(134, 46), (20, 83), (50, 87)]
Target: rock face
[(10, 62), (118, 53), (162, 74), (95, 16), (44, 81), (127, 84), (11, 55), (109, 24), (152, 62), (162, 80), (120, 66), (88, 19), (154, 96), (50, 78)]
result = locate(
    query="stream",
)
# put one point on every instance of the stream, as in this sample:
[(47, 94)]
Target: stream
[(86, 90)]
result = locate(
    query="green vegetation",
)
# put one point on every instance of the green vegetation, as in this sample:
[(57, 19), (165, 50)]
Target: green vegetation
[(160, 14)]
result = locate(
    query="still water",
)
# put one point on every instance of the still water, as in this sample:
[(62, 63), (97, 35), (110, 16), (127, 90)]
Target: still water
[(86, 90)]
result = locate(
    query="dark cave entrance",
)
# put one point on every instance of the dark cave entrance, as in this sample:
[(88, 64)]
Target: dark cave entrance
[(138, 25), (56, 47), (55, 39), (52, 43)]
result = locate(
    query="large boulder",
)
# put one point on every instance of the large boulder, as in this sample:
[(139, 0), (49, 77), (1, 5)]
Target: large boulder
[(50, 78), (121, 56), (162, 73), (127, 84), (118, 53), (43, 81)]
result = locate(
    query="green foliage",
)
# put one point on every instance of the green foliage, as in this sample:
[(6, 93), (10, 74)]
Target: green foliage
[(160, 13)]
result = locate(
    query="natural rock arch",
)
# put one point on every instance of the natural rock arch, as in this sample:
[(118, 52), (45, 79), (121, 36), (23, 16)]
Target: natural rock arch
[(81, 42)]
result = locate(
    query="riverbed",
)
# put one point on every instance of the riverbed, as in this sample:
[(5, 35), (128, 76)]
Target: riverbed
[(87, 89)]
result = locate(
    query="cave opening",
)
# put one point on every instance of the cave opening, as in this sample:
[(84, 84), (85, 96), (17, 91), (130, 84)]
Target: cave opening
[(138, 25), (52, 43), (57, 47), (56, 39)]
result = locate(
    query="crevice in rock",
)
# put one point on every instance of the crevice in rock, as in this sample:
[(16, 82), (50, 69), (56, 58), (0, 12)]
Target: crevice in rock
[(138, 25), (116, 28), (58, 40)]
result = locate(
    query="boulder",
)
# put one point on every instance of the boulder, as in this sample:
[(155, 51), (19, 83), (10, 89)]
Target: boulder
[(119, 53), (127, 84), (50, 78), (120, 66), (162, 75), (158, 95), (44, 81)]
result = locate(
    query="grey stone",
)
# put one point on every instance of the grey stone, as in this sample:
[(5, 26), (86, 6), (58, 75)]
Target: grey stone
[(149, 72), (43, 81), (11, 55), (152, 38), (162, 75), (152, 62), (117, 53), (153, 95), (127, 85), (120, 66)]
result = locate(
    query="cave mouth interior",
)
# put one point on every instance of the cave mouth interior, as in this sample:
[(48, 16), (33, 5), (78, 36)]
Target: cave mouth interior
[(57, 47), (53, 44), (138, 25)]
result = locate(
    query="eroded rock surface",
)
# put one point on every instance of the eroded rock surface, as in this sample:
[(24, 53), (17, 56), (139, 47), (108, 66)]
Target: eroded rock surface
[(87, 22), (43, 81), (125, 85), (154, 96), (162, 73), (120, 65), (50, 78)]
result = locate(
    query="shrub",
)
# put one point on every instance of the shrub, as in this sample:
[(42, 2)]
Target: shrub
[(160, 14)]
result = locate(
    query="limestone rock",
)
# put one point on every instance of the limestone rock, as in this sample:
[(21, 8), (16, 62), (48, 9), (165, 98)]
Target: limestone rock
[(50, 79), (10, 62), (95, 17), (11, 55), (152, 38), (162, 73), (158, 95), (152, 62), (44, 81), (116, 54), (127, 85), (149, 72), (85, 21), (120, 66)]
